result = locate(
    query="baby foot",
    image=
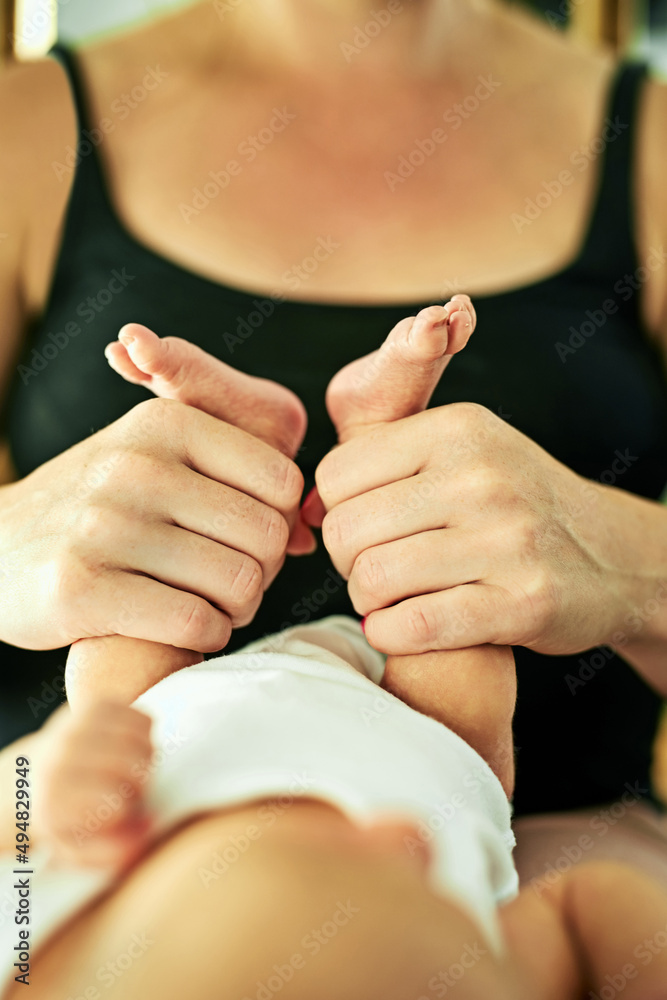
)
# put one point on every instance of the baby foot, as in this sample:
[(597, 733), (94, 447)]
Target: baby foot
[(175, 369), (89, 800), (123, 668), (399, 379), (471, 691)]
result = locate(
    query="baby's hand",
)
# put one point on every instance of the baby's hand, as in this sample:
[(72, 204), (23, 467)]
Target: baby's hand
[(89, 798)]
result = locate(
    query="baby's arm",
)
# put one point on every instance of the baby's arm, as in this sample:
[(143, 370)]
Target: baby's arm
[(599, 931), (86, 786)]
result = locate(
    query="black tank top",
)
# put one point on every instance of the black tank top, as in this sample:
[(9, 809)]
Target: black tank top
[(588, 388)]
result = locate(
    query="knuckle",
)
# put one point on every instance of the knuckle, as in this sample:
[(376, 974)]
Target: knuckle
[(542, 600), (192, 622), (326, 476), (471, 414), (287, 480), (369, 573), (482, 482), (421, 625), (493, 487), (155, 415), (246, 584), (94, 523), (335, 530), (275, 533)]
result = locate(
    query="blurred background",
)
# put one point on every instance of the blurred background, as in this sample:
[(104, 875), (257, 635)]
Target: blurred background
[(29, 27)]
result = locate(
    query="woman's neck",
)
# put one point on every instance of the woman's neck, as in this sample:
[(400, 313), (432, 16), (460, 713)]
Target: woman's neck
[(411, 37)]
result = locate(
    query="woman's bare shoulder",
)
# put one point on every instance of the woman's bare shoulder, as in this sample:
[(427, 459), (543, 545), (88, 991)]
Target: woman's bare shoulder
[(652, 200), (37, 123)]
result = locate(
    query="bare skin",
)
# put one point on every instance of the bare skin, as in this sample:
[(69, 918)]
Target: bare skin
[(399, 938), (391, 383), (353, 119), (472, 691)]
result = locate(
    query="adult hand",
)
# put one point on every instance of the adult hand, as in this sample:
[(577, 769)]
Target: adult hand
[(167, 525), (454, 529), (473, 690)]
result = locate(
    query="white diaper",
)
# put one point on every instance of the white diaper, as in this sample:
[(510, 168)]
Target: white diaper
[(286, 717)]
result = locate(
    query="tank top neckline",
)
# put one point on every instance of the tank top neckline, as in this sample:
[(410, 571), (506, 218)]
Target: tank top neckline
[(72, 65)]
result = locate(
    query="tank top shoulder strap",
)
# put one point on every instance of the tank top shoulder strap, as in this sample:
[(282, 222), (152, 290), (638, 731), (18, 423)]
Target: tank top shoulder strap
[(610, 242), (89, 183)]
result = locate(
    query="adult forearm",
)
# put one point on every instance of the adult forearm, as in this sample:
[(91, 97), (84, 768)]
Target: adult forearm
[(631, 548)]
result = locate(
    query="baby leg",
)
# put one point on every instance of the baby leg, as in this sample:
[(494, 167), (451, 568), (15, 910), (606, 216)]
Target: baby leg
[(598, 932), (120, 668), (472, 691)]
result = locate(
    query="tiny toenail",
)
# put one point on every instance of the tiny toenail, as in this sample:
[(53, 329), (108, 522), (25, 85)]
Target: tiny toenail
[(126, 337)]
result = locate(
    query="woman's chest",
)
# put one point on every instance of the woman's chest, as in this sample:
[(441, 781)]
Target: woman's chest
[(416, 202)]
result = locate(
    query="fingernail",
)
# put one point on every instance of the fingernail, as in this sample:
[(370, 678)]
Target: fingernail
[(125, 337), (308, 497)]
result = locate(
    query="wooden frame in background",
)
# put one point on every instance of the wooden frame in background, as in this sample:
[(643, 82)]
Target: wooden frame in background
[(608, 22), (7, 27)]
